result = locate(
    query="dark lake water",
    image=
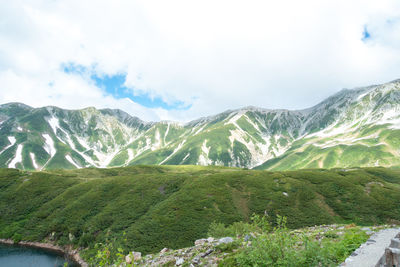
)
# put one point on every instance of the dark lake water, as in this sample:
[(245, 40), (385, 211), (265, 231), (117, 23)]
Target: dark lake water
[(17, 256)]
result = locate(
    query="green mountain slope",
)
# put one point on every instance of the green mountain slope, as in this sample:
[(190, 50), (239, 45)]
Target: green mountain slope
[(358, 127), (171, 206)]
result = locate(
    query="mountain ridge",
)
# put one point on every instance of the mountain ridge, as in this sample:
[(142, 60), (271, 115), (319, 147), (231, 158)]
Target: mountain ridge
[(357, 127)]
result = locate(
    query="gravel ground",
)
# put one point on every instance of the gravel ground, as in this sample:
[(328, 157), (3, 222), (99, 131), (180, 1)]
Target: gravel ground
[(369, 253)]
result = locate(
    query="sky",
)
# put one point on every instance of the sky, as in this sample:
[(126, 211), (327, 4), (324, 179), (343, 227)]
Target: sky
[(181, 60)]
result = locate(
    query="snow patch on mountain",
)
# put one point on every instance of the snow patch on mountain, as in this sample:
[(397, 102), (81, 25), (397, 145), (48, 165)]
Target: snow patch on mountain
[(391, 116), (173, 152), (17, 158), (131, 156), (199, 130), (34, 163), (234, 118), (166, 133), (346, 140), (157, 143), (83, 143), (183, 160), (105, 158), (203, 158), (252, 123), (70, 160), (54, 124), (49, 145)]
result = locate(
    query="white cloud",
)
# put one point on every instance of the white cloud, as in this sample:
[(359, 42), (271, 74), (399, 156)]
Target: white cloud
[(214, 55)]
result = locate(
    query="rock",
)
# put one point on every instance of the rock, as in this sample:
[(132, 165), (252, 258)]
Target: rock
[(247, 238), (226, 240), (128, 259), (205, 254), (366, 229), (210, 239), (196, 260), (164, 250), (200, 242), (179, 261), (354, 254), (136, 256)]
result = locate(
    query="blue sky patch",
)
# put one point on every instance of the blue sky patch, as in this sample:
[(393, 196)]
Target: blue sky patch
[(74, 69), (366, 34), (115, 86)]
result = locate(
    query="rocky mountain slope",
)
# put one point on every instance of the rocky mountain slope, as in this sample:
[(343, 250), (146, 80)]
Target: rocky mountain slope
[(359, 127)]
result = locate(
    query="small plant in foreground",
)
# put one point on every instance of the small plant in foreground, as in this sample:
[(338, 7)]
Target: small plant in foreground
[(258, 224), (109, 254)]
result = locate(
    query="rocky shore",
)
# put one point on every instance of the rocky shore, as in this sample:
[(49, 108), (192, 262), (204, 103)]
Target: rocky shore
[(67, 250)]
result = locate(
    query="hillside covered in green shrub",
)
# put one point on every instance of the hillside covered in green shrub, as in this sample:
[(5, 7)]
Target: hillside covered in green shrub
[(147, 208)]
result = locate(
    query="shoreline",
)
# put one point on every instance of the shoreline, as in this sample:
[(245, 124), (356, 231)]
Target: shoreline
[(69, 252)]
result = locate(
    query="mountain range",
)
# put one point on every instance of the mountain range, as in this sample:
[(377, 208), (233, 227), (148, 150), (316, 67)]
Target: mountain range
[(357, 127)]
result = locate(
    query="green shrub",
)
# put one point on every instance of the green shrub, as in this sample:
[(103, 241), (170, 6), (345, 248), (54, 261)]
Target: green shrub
[(110, 252), (271, 249), (219, 230), (86, 239), (331, 234), (259, 224), (227, 247), (17, 237)]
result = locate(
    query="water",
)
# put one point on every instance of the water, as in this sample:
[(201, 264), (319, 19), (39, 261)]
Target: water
[(18, 256)]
